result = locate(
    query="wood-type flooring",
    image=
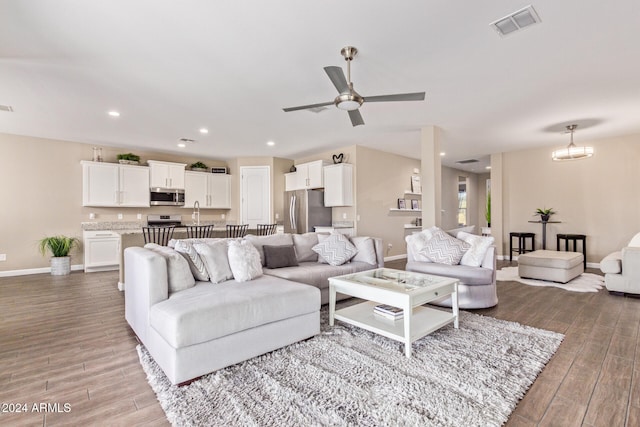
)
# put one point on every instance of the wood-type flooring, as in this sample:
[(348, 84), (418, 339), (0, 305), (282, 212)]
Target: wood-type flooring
[(67, 355)]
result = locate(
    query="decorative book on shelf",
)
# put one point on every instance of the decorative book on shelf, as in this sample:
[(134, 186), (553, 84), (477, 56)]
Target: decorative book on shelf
[(388, 311)]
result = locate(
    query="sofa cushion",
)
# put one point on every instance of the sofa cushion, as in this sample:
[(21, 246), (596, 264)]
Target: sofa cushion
[(244, 260), (467, 275), (316, 274), (215, 258), (272, 239), (366, 251), (172, 242), (445, 249), (179, 276), (303, 244), (198, 269), (206, 312), (279, 256), (479, 246), (336, 250), (612, 263), (467, 229)]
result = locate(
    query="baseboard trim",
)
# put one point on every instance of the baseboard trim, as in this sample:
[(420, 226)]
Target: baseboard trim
[(28, 271), (395, 257)]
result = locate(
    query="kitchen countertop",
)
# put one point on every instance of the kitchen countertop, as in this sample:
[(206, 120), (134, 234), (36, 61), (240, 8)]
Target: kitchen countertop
[(135, 227)]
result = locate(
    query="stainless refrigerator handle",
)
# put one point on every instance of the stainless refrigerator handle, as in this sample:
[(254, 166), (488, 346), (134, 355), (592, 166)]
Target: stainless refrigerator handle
[(291, 213), (294, 213)]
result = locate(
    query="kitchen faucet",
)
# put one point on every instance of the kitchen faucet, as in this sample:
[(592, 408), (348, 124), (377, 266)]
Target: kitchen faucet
[(196, 212)]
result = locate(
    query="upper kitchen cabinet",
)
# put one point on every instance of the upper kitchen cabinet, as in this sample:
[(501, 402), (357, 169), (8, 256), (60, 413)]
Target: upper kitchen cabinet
[(167, 174), (111, 184), (307, 176), (210, 190), (338, 185)]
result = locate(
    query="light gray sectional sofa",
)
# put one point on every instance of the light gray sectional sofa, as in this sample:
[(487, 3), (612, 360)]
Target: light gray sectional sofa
[(193, 327)]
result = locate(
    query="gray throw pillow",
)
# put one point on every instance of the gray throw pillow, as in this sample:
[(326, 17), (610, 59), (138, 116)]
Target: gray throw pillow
[(279, 256)]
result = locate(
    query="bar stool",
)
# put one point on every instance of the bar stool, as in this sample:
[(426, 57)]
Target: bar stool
[(237, 230), (199, 231), (265, 229), (522, 243), (160, 234), (574, 239)]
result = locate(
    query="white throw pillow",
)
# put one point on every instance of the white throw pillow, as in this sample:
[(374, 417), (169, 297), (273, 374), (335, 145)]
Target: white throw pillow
[(479, 246), (215, 260), (336, 249), (179, 275), (416, 243), (244, 260), (196, 264), (445, 249), (366, 250)]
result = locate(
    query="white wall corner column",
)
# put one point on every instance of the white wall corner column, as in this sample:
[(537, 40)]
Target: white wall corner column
[(497, 218), (431, 171)]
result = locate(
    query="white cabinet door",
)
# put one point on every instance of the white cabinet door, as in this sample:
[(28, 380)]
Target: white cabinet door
[(166, 174), (338, 185), (302, 176), (291, 181), (134, 186), (219, 191), (101, 250), (99, 184), (314, 174), (196, 188)]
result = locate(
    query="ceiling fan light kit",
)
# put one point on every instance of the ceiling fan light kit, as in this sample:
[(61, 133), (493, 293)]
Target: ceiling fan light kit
[(572, 152), (348, 99)]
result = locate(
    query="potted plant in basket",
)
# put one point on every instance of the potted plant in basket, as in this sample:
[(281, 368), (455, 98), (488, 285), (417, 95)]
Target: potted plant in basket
[(545, 213), (128, 159), (59, 246), (199, 166)]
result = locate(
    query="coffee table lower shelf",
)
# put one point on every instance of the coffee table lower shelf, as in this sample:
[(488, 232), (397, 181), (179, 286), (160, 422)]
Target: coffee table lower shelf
[(424, 321)]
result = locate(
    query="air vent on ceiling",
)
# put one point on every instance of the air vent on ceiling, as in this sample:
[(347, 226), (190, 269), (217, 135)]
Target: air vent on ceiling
[(516, 21), (6, 108), (466, 162)]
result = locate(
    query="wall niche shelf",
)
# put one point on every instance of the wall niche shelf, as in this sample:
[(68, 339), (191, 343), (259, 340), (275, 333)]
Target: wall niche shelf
[(404, 210), (410, 193)]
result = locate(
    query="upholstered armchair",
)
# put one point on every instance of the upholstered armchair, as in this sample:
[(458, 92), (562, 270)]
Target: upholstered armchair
[(622, 269)]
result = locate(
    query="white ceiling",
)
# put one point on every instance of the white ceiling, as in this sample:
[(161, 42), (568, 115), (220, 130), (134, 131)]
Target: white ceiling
[(172, 67)]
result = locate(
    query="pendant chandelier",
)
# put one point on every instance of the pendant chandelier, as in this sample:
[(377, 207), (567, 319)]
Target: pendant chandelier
[(572, 152)]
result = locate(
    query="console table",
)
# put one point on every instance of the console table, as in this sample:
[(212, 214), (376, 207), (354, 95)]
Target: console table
[(544, 230)]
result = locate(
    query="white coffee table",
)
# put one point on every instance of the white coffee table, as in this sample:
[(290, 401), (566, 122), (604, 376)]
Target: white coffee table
[(402, 289)]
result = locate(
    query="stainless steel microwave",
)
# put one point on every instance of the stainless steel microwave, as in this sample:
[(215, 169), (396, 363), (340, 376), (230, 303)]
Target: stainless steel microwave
[(166, 197)]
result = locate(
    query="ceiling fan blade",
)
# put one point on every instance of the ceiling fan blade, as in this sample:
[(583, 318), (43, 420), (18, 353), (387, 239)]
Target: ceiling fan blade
[(356, 117), (306, 107), (337, 78), (417, 96)]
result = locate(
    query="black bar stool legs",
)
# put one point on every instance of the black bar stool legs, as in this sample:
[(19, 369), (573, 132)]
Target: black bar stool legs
[(522, 243)]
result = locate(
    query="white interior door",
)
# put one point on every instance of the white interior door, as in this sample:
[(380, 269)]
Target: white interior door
[(255, 195)]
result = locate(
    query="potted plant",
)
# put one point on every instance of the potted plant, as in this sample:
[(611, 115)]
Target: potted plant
[(128, 159), (545, 213), (59, 246), (487, 211), (199, 166)]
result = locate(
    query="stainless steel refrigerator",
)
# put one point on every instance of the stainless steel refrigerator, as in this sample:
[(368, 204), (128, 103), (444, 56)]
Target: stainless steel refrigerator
[(304, 209)]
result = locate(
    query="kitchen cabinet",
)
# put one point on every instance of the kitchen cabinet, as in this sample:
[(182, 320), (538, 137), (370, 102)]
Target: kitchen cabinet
[(101, 251), (112, 184), (166, 174), (338, 185), (307, 175), (211, 190)]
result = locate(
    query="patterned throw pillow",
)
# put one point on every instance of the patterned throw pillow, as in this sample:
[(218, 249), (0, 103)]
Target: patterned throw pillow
[(336, 249), (445, 249), (479, 246), (244, 260), (195, 262)]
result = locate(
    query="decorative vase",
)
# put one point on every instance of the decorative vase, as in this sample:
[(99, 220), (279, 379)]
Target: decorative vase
[(60, 266)]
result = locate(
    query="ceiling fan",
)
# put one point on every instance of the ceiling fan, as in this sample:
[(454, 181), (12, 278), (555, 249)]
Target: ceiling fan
[(350, 100)]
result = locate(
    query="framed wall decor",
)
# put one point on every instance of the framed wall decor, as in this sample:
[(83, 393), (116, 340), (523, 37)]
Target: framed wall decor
[(402, 204), (416, 184), (414, 204)]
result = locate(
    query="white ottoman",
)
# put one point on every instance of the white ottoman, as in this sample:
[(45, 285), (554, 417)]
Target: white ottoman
[(552, 266)]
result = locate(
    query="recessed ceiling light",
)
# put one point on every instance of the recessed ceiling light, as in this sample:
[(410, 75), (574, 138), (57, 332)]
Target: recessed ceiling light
[(204, 130), (181, 144), (443, 153), (271, 143), (114, 114)]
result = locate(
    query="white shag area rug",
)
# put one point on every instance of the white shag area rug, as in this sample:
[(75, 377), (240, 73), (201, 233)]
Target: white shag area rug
[(346, 376), (586, 282)]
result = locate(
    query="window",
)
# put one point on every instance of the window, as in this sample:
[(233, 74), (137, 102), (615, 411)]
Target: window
[(462, 201)]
